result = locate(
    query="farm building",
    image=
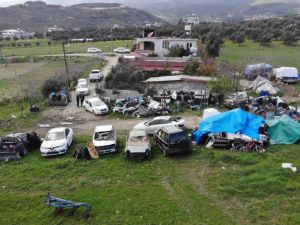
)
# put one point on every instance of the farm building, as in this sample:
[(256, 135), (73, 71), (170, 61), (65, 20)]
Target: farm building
[(160, 46), (178, 83)]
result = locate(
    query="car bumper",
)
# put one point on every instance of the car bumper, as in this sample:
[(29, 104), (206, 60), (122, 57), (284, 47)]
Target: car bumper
[(137, 155), (50, 152), (102, 151), (177, 151), (101, 113)]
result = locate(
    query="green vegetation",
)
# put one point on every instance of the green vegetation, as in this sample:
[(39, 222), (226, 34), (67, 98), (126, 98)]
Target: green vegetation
[(53, 49), (250, 52), (205, 187)]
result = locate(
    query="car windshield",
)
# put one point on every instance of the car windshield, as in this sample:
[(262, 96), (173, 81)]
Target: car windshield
[(177, 137), (55, 136), (137, 140), (173, 118), (82, 85), (105, 136), (95, 71), (97, 103)]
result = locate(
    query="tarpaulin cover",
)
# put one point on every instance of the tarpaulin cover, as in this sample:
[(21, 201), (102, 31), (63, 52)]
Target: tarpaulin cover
[(284, 130), (234, 121)]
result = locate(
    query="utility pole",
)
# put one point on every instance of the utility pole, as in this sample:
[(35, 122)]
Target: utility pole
[(65, 58)]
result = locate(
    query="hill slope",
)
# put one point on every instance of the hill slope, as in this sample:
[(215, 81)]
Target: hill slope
[(37, 16)]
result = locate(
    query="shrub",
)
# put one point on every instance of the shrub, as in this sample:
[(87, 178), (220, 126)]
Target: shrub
[(53, 84)]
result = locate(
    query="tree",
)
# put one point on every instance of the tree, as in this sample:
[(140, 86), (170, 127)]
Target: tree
[(192, 68), (239, 38), (264, 38), (222, 86), (213, 41), (288, 37), (178, 51)]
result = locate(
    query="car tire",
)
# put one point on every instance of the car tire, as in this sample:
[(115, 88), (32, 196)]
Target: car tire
[(164, 153), (148, 155), (127, 155)]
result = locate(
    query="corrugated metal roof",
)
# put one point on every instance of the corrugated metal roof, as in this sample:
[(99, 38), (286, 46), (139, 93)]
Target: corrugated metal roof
[(178, 78)]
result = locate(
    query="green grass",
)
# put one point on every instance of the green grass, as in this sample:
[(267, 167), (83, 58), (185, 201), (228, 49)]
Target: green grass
[(250, 52), (192, 189), (43, 49), (20, 122)]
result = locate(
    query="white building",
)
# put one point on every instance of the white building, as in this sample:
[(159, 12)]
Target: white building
[(160, 46), (192, 20), (16, 33)]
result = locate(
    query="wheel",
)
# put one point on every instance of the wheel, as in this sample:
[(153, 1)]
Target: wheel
[(164, 153), (148, 155), (127, 155)]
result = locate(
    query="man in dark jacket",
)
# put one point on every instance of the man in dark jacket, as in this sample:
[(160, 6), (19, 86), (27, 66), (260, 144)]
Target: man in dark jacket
[(81, 99), (77, 100)]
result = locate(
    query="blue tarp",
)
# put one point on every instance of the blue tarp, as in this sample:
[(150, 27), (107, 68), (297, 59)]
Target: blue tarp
[(233, 121)]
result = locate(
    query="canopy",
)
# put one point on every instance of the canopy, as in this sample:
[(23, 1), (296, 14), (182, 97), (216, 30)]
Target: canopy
[(284, 130), (234, 121)]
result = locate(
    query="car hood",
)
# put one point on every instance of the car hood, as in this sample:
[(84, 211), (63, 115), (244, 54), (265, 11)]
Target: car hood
[(53, 144), (81, 89), (95, 75), (103, 143), (100, 107), (140, 126), (137, 148)]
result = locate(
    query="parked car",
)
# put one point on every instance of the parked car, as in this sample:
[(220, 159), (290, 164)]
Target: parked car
[(137, 145), (96, 106), (121, 50), (82, 80), (57, 141), (93, 50), (172, 140), (95, 75), (105, 139), (82, 89), (151, 126)]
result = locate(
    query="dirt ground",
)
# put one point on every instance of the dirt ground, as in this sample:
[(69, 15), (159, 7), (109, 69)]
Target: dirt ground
[(84, 122)]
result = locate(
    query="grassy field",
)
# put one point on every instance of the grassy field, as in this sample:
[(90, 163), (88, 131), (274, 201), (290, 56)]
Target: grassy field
[(45, 49), (250, 52), (205, 187), (16, 75)]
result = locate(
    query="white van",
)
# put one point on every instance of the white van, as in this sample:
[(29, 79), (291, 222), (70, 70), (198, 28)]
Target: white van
[(105, 139)]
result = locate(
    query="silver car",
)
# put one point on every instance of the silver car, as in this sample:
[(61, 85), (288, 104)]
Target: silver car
[(137, 145)]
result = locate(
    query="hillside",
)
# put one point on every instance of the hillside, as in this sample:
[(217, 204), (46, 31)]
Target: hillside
[(38, 16), (218, 10)]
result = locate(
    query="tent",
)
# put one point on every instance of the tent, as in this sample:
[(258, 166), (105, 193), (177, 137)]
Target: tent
[(233, 121), (284, 130), (261, 84)]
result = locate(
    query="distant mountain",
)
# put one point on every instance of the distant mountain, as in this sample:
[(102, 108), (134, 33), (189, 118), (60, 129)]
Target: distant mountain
[(38, 16), (217, 10), (212, 10)]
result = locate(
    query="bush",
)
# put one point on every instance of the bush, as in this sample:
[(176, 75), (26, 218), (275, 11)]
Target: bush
[(53, 84)]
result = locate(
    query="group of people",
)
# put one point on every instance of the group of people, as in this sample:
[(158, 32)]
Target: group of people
[(79, 99)]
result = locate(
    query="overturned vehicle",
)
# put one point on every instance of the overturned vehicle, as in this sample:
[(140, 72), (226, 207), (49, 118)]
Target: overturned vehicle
[(15, 146)]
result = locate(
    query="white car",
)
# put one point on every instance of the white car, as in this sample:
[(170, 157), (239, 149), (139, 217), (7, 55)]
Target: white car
[(82, 80), (82, 89), (96, 106), (137, 145), (93, 50), (105, 139), (121, 50), (95, 75), (57, 141), (151, 126)]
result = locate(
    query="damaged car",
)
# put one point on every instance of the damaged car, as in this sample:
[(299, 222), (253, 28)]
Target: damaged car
[(138, 145)]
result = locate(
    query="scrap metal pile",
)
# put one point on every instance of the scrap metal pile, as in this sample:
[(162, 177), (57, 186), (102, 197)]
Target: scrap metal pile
[(265, 106), (160, 104), (15, 146)]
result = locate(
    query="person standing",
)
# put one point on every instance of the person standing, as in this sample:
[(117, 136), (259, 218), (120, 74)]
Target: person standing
[(81, 100), (77, 99)]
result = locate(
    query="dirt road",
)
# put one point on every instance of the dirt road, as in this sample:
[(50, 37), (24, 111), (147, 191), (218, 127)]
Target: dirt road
[(84, 122)]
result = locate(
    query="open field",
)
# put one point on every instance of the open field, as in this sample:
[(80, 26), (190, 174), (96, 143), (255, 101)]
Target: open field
[(15, 75), (205, 187), (45, 49), (250, 52)]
